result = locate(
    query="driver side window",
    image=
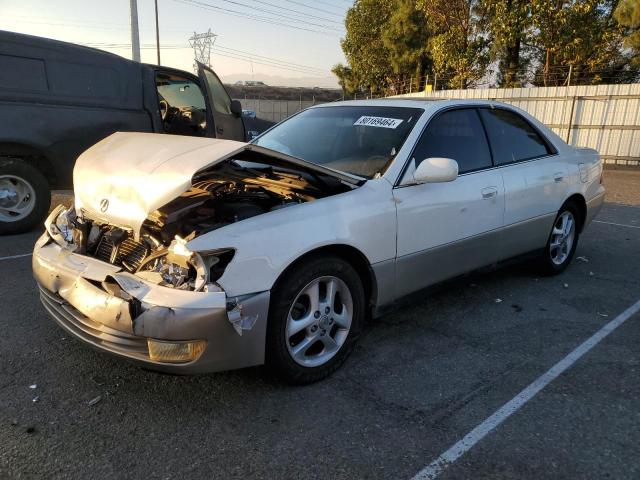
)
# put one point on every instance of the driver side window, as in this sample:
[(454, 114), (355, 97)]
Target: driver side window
[(456, 134), (182, 105)]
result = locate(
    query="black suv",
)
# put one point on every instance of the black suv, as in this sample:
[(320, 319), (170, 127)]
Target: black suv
[(57, 99)]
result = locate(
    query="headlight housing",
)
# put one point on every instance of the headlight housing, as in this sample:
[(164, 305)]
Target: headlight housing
[(59, 225), (178, 267)]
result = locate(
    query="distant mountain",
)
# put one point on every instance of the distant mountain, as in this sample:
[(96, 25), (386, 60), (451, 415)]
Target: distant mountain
[(268, 92), (281, 81)]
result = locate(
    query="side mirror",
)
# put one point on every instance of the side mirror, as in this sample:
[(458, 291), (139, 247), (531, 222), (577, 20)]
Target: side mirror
[(236, 108), (436, 170)]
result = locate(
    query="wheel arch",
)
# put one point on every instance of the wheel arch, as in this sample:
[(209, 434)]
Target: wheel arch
[(349, 254), (32, 156), (579, 201)]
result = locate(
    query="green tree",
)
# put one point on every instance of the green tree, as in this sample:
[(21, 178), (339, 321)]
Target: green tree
[(363, 46), (628, 16), (458, 45), (346, 79), (508, 22), (581, 34), (406, 39)]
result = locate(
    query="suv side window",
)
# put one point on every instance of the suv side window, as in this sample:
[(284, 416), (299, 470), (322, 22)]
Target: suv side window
[(512, 138), (182, 105), (456, 134), (221, 101)]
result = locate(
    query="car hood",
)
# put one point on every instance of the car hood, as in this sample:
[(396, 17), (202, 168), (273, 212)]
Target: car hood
[(126, 176)]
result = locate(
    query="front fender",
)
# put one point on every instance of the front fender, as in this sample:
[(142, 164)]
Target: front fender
[(363, 218)]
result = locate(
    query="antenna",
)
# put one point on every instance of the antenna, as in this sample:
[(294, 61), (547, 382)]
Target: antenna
[(202, 43)]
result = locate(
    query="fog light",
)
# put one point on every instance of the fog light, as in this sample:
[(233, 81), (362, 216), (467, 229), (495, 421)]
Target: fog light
[(175, 352)]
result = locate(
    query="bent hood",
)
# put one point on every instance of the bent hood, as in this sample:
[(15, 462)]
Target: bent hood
[(126, 176)]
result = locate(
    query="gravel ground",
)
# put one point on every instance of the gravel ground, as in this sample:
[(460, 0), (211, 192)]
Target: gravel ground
[(421, 378)]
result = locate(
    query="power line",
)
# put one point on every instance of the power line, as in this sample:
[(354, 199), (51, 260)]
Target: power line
[(202, 44), (296, 11), (278, 14), (341, 7), (235, 13), (314, 8), (227, 52)]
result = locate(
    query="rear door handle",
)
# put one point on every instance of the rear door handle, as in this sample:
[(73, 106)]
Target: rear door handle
[(558, 176), (489, 192)]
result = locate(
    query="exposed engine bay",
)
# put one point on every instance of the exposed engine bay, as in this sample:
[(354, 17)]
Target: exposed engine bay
[(229, 192)]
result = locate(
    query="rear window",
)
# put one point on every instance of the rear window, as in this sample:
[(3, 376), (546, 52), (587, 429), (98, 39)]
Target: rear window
[(512, 138)]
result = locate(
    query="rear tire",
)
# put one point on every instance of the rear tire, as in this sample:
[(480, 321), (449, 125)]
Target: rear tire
[(25, 196), (563, 241), (309, 335)]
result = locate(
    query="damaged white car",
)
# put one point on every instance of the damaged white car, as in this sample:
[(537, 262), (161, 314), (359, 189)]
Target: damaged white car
[(198, 255)]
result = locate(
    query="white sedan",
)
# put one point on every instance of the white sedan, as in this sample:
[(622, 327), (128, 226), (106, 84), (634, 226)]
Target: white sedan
[(195, 255)]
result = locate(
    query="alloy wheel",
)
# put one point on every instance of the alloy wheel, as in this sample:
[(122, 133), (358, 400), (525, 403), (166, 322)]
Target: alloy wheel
[(17, 198), (562, 237), (319, 321)]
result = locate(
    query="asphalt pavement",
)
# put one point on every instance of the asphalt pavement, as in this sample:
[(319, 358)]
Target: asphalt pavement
[(420, 379)]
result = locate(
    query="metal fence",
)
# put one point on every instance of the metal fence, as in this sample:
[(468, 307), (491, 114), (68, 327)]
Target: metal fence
[(276, 110), (604, 117)]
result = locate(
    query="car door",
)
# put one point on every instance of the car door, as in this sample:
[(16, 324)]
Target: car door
[(535, 180), (446, 229), (226, 124)]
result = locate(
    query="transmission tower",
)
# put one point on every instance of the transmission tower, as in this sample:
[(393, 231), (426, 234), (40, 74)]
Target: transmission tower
[(202, 43)]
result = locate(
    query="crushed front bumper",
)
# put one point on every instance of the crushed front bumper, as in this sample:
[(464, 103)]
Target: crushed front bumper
[(72, 290)]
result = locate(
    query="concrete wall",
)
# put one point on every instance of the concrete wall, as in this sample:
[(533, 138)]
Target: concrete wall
[(604, 117), (276, 110)]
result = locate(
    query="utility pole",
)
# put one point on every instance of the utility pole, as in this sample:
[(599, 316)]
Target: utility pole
[(135, 33), (202, 43), (157, 33)]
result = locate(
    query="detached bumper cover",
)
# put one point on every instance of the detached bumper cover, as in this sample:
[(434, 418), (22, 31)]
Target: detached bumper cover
[(71, 291)]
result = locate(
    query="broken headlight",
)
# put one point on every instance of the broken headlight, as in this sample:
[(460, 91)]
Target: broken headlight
[(60, 225), (178, 267)]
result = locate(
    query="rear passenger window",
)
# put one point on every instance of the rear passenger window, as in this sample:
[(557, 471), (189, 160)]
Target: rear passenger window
[(456, 134), (512, 138)]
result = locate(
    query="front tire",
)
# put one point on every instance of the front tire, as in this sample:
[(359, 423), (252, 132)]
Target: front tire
[(25, 197), (563, 241), (315, 318)]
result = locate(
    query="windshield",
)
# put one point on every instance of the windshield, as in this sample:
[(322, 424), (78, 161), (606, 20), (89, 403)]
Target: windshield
[(360, 140), (182, 94)]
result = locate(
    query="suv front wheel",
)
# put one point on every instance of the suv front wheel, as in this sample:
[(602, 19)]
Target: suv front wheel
[(24, 196)]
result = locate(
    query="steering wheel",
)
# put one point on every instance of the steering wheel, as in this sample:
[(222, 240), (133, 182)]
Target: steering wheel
[(164, 109)]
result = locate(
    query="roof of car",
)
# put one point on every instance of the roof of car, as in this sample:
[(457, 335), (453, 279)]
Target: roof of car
[(409, 102)]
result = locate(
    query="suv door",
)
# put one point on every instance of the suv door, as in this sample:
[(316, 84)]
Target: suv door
[(446, 229), (226, 123), (535, 180)]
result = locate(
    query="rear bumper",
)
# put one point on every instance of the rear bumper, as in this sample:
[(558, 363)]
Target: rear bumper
[(593, 207), (73, 293)]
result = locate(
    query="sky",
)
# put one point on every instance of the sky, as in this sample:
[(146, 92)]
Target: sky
[(281, 42)]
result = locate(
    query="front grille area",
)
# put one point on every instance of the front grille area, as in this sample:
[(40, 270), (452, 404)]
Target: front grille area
[(127, 253), (91, 331)]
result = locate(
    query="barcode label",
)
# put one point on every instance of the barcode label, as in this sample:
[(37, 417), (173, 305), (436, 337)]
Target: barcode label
[(381, 122)]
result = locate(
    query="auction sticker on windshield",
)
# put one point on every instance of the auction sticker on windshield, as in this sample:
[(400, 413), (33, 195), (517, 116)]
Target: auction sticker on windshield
[(382, 122)]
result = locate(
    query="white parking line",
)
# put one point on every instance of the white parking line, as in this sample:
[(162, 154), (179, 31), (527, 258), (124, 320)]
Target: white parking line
[(11, 257), (617, 224), (461, 447)]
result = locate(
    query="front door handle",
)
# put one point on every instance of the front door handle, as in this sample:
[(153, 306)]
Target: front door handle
[(220, 130), (489, 192)]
